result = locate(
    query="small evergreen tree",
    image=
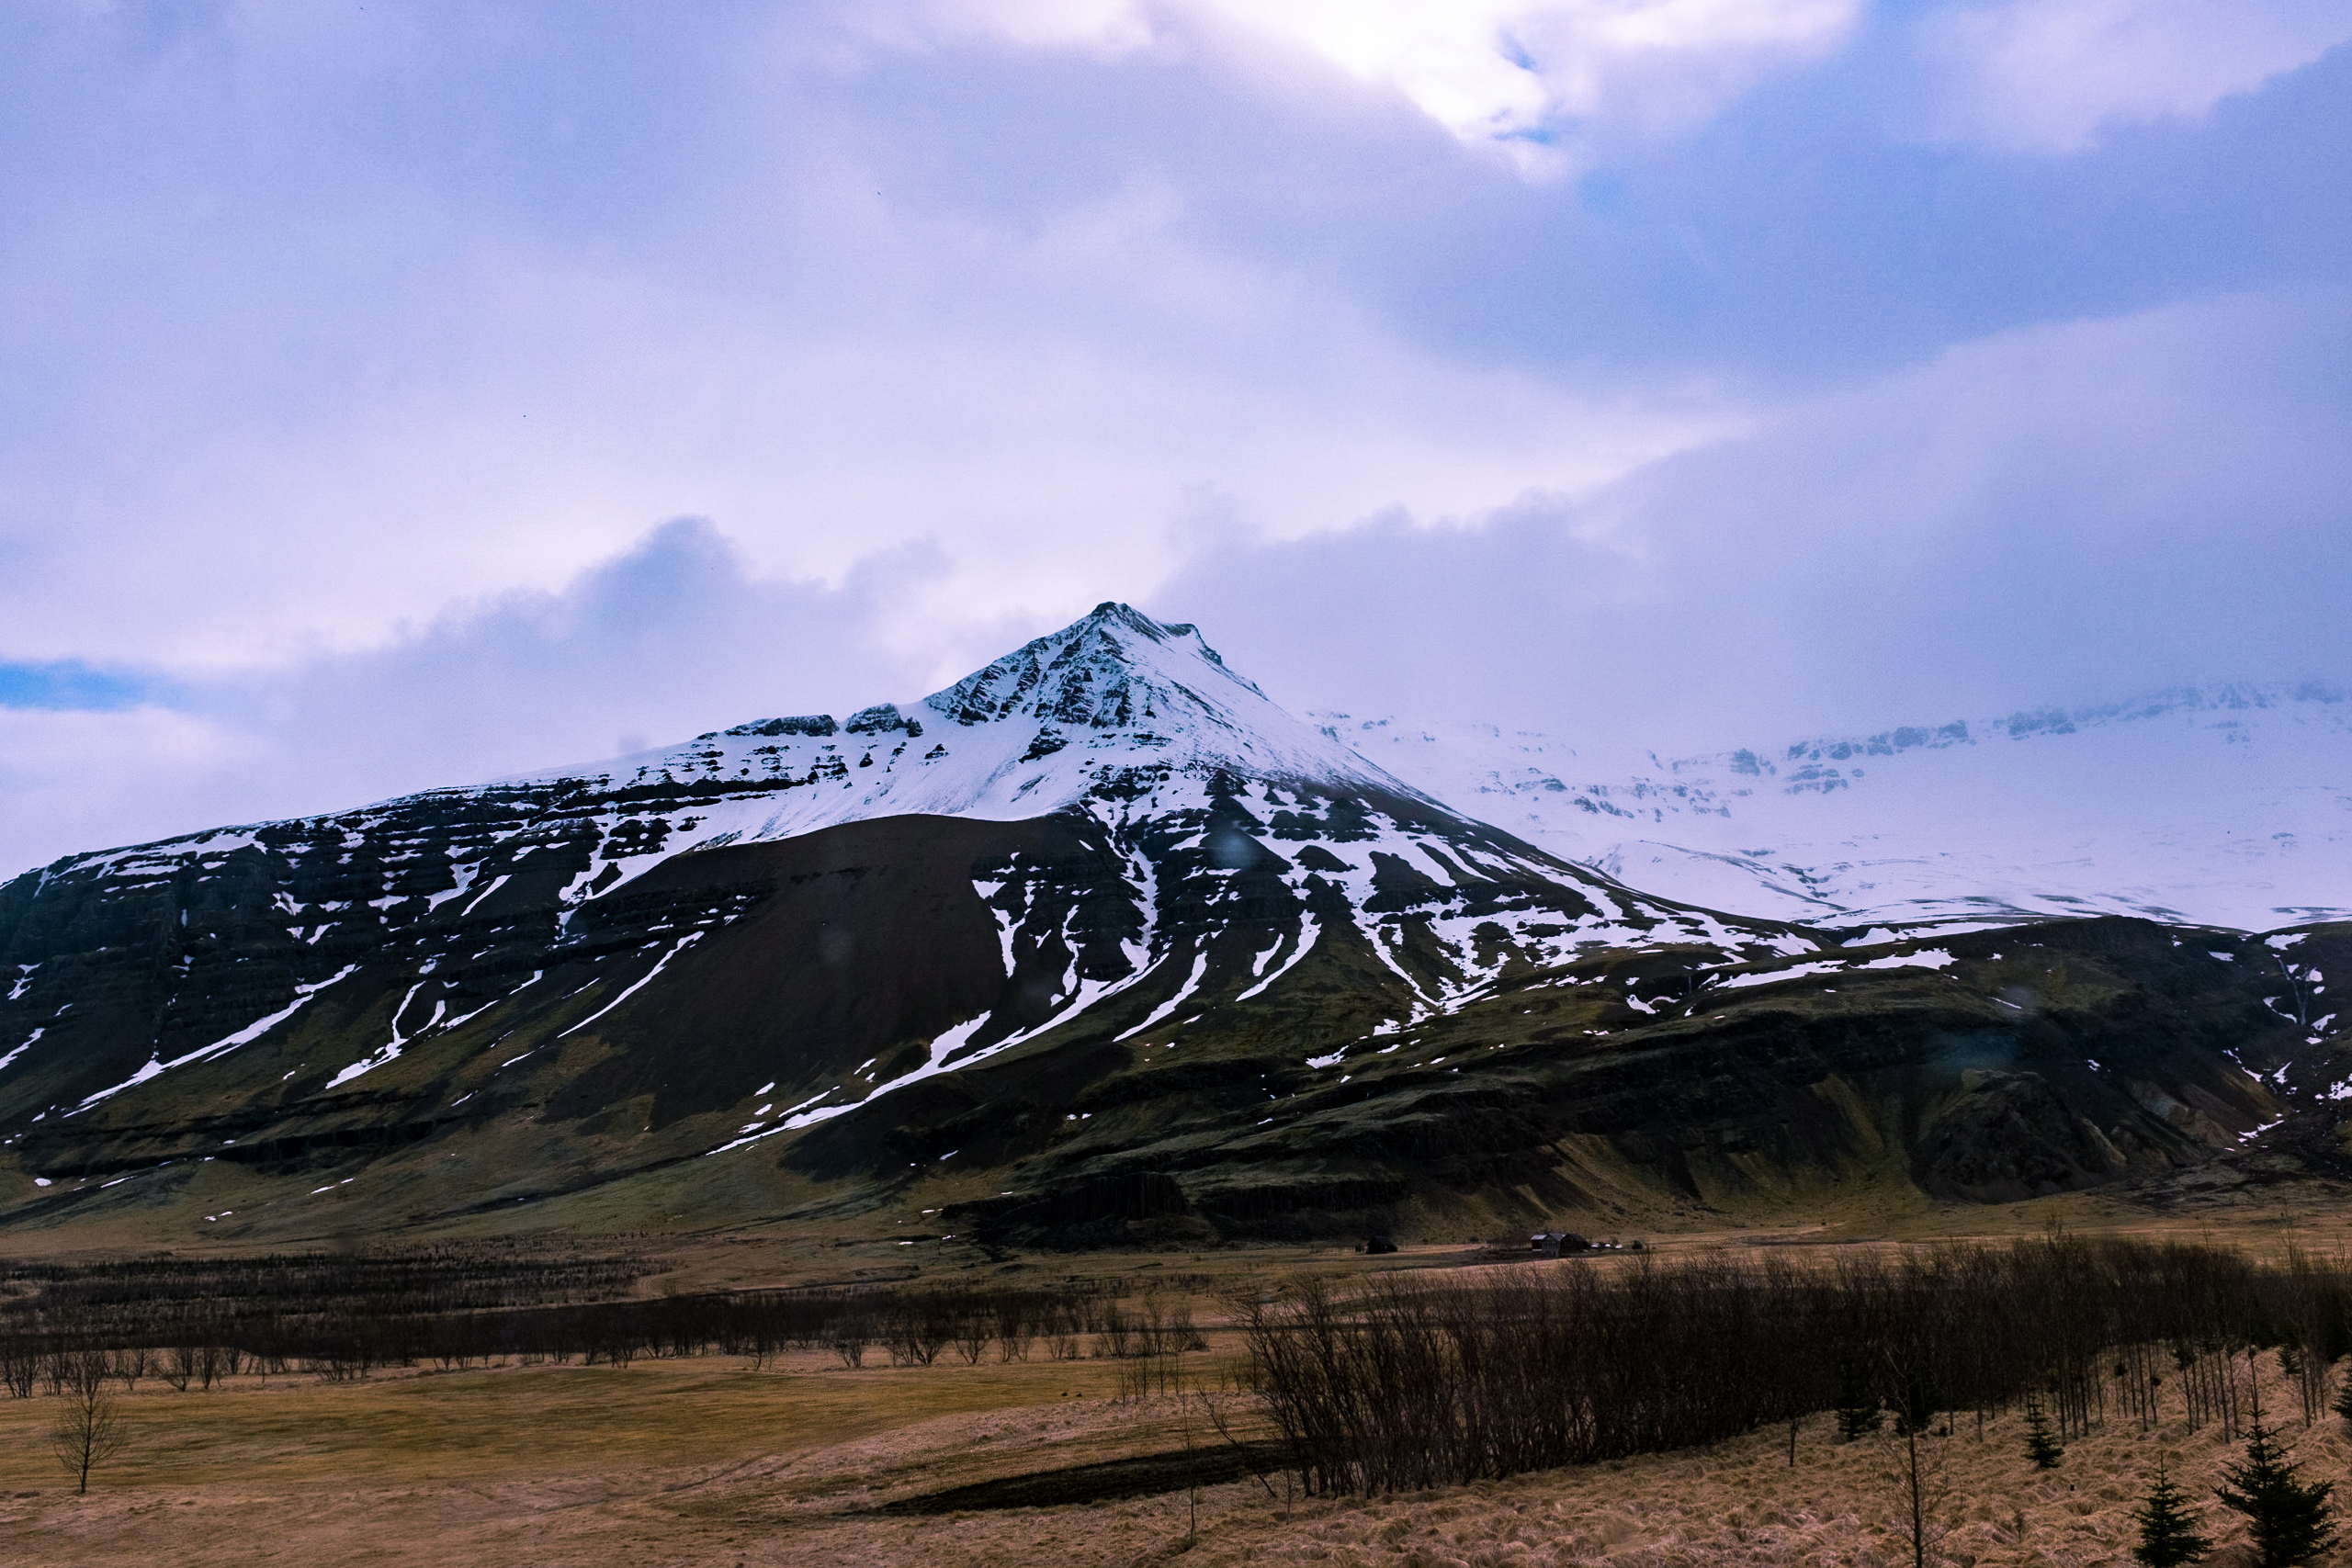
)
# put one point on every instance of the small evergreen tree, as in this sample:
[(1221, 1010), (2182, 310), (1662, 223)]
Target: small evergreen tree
[(2168, 1533), (2041, 1445), (2344, 1401), (1857, 1404), (2286, 1515), (1916, 1402)]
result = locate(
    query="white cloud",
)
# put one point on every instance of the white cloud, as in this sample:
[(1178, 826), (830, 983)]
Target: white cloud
[(2054, 513), (663, 641), (1525, 67), (72, 780), (1047, 460), (1521, 74), (1536, 77), (2045, 75), (1111, 26)]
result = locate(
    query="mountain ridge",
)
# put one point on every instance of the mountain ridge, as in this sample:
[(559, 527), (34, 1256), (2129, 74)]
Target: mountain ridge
[(1163, 933)]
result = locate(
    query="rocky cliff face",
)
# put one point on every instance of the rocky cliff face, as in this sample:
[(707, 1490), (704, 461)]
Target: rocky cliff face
[(1099, 917)]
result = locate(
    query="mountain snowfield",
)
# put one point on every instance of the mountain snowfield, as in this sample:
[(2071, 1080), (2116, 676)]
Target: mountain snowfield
[(2227, 805)]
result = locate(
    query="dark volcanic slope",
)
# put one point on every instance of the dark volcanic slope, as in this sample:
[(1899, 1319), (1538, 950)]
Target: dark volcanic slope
[(170, 1010), (2040, 1059), (1290, 998), (855, 982)]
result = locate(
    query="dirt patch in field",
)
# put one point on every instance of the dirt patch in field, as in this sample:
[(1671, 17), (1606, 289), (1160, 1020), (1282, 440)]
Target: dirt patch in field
[(1144, 1475)]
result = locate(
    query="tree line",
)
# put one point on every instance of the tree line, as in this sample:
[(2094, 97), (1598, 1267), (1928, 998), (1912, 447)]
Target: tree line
[(1412, 1381), (191, 1324)]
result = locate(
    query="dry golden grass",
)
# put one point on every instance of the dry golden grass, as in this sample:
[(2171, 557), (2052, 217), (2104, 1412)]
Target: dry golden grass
[(704, 1461), (707, 1461), (1743, 1503), (544, 1463)]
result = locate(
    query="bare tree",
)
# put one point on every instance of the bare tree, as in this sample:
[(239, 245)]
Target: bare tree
[(20, 1369), (972, 1326), (1916, 1481), (88, 1429)]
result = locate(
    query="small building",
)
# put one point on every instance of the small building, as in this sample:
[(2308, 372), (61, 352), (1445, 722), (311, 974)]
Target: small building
[(1557, 1244)]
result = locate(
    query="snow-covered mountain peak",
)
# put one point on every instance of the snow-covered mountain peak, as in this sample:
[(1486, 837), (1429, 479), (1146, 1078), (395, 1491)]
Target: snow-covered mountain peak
[(1116, 669), (1119, 710), (1114, 708)]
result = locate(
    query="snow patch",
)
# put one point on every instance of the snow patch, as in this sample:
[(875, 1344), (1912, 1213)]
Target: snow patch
[(156, 1068), (1183, 992), (660, 963)]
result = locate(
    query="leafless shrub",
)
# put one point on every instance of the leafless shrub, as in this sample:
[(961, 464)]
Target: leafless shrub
[(89, 1429), (20, 1368)]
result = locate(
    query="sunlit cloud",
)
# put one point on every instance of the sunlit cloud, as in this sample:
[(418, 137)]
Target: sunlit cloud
[(1537, 77), (1522, 75), (1532, 72)]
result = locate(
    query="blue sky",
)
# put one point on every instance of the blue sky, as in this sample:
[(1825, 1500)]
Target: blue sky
[(398, 395)]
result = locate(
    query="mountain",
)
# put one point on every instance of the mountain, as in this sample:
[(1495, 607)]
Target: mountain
[(1097, 938), (2226, 806)]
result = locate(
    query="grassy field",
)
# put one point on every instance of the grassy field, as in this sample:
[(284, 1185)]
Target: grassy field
[(709, 1461), (664, 1461), (704, 1461)]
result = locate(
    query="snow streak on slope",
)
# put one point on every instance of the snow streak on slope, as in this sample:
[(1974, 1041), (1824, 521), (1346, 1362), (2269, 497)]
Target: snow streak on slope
[(2227, 806), (1232, 883), (155, 1067)]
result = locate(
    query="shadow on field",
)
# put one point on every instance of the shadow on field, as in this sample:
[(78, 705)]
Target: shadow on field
[(1143, 1476)]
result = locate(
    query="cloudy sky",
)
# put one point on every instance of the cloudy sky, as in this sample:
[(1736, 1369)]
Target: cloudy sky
[(398, 394)]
